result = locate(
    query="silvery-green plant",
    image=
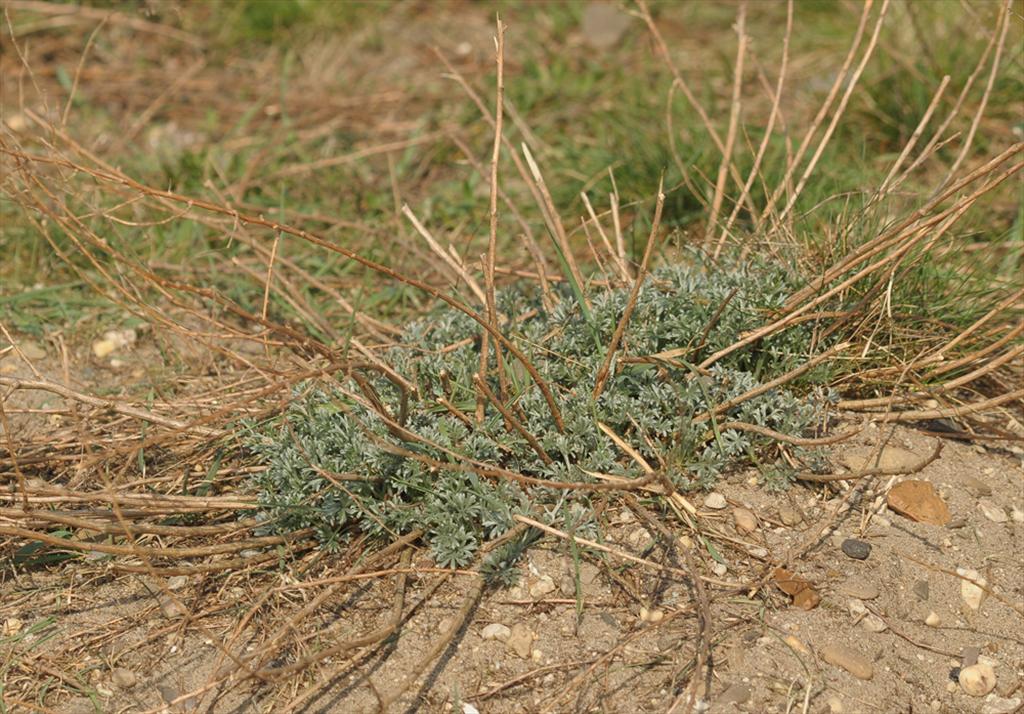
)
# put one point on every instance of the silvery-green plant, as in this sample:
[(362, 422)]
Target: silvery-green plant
[(336, 466)]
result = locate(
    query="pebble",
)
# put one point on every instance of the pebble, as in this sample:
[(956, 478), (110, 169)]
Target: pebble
[(12, 626), (745, 520), (737, 693), (976, 487), (520, 640), (856, 549), (796, 644), (972, 594), (177, 582), (835, 705), (1017, 515), (992, 512), (31, 350), (789, 516), (715, 501), (921, 589), (639, 537), (171, 607), (651, 615), (719, 569), (867, 619), (123, 678), (445, 624), (891, 457), (977, 680), (994, 704), (933, 619), (758, 552), (541, 587), (919, 501), (859, 589), (849, 659)]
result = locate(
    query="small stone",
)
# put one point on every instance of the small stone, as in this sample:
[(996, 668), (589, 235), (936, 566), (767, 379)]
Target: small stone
[(737, 693), (919, 501), (1017, 515), (873, 623), (655, 615), (921, 590), (12, 626), (868, 620), (933, 619), (31, 350), (760, 553), (992, 512), (520, 640), (890, 458), (976, 487), (541, 587), (835, 705), (444, 624), (177, 582), (994, 704), (789, 516), (171, 607), (849, 659), (803, 593), (536, 656), (715, 501), (123, 678), (972, 594), (102, 348), (977, 680), (796, 644), (746, 521), (859, 589), (856, 549), (496, 631), (639, 537), (719, 569)]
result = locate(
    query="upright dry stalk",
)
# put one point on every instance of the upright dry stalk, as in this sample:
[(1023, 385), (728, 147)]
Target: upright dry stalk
[(766, 139), (794, 161), (492, 244), (734, 120), (1005, 22), (839, 111), (620, 329)]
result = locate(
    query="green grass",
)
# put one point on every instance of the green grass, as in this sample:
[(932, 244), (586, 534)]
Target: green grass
[(590, 111)]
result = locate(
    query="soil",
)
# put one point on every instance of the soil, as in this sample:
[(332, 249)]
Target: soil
[(625, 641)]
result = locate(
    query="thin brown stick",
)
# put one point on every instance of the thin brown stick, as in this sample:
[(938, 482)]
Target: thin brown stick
[(634, 293), (510, 419), (864, 473), (328, 245), (108, 404), (730, 137)]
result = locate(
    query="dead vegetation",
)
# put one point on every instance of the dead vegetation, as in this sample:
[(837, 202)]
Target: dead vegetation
[(153, 484)]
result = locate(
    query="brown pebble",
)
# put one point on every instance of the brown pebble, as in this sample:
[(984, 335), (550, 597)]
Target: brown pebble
[(849, 659)]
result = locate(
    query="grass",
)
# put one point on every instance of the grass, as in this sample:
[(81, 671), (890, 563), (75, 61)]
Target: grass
[(246, 213)]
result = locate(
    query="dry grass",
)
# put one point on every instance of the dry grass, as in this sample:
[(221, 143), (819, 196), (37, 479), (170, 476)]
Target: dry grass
[(84, 477)]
